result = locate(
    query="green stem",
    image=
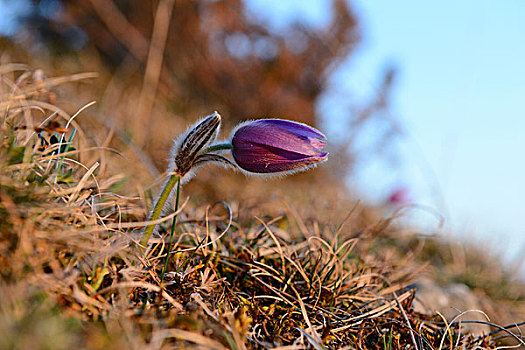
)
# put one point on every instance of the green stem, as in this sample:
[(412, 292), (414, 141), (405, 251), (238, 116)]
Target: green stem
[(218, 147), (157, 210), (168, 254)]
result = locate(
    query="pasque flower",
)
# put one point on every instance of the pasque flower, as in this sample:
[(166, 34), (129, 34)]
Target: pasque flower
[(264, 146), (277, 146)]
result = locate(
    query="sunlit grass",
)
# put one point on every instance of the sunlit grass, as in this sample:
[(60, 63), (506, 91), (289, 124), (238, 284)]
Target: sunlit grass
[(72, 273)]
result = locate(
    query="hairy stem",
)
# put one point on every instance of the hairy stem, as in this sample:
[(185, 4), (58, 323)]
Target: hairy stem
[(168, 253), (157, 210), (218, 147)]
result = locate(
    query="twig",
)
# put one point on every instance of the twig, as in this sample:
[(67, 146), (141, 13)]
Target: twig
[(119, 26), (153, 66)]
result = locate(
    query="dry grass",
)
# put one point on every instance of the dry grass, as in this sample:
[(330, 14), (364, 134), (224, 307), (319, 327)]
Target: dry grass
[(71, 274)]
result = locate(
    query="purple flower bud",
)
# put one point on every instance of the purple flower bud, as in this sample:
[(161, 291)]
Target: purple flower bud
[(277, 146)]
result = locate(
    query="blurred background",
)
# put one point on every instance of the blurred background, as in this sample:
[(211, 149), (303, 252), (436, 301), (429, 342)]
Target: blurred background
[(422, 103)]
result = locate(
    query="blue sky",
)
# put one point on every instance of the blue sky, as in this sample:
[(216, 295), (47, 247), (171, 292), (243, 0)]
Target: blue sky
[(460, 97)]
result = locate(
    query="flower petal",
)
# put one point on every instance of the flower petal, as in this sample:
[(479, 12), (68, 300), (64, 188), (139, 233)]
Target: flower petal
[(283, 134), (257, 158)]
